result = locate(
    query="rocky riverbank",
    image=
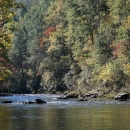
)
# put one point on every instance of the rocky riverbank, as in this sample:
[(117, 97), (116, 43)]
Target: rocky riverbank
[(5, 94)]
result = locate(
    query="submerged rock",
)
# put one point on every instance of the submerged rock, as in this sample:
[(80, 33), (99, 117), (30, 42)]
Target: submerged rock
[(122, 97), (7, 102)]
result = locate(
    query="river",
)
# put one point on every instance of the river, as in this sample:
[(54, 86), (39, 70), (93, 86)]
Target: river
[(67, 114)]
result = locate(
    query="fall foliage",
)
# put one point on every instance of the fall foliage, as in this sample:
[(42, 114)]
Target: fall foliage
[(67, 45)]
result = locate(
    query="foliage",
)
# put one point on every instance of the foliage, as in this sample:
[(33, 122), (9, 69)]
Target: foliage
[(70, 45)]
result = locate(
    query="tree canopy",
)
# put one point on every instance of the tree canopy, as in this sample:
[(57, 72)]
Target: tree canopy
[(66, 45)]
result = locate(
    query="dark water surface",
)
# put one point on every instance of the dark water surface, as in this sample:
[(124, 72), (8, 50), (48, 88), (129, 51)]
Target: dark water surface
[(63, 114)]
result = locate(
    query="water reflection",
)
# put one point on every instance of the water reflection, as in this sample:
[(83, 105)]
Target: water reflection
[(5, 121), (64, 117)]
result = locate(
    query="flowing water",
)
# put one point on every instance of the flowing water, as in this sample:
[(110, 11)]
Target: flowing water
[(63, 114)]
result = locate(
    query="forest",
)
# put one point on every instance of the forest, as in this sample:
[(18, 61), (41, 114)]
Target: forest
[(62, 46)]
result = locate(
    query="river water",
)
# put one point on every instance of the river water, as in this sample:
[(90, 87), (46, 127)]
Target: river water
[(59, 114)]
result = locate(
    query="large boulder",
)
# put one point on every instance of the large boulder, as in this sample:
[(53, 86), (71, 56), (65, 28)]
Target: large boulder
[(122, 97), (40, 101)]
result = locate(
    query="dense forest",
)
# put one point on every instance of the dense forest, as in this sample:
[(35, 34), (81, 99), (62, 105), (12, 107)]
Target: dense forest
[(51, 46)]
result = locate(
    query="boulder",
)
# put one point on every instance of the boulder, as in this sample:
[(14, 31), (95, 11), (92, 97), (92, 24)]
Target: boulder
[(122, 97), (40, 101), (37, 101), (7, 102)]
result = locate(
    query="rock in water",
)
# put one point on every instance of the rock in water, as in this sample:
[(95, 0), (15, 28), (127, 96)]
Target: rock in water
[(122, 97), (7, 102), (28, 102), (40, 101)]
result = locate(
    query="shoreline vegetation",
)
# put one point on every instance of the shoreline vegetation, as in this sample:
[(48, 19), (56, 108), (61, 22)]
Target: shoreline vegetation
[(79, 46)]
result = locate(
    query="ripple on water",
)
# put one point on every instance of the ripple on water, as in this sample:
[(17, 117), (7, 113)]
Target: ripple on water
[(66, 114)]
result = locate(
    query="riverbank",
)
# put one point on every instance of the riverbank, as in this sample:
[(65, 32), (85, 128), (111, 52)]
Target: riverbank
[(98, 92), (5, 94)]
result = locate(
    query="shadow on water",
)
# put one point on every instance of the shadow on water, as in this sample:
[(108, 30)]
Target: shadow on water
[(64, 114)]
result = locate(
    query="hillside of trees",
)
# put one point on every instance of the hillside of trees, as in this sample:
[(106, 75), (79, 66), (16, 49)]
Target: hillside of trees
[(66, 46)]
